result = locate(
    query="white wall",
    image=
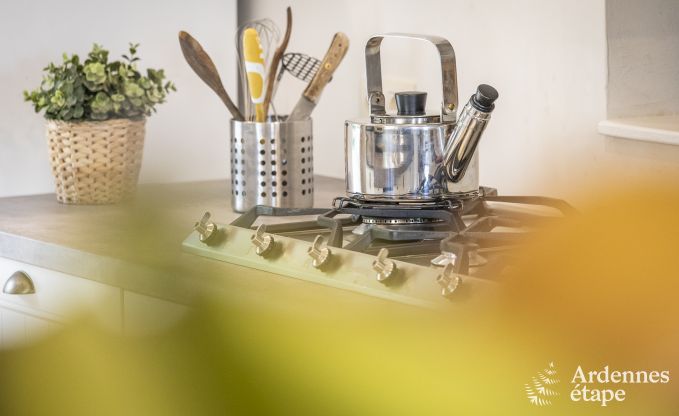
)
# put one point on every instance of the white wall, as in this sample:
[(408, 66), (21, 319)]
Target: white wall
[(643, 58), (547, 59), (185, 140), (643, 74)]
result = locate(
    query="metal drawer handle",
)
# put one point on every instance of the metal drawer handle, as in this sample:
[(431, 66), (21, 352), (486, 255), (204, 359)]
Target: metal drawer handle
[(19, 283)]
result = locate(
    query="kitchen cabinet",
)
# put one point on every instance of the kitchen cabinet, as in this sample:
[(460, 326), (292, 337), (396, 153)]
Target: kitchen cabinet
[(57, 298), (21, 327), (60, 298)]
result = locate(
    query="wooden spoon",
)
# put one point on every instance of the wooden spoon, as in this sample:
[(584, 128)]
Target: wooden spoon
[(203, 66), (277, 56)]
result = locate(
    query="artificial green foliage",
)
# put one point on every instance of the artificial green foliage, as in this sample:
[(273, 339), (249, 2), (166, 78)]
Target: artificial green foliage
[(97, 89)]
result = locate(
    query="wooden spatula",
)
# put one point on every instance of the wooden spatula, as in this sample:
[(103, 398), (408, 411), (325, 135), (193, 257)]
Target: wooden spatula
[(203, 66)]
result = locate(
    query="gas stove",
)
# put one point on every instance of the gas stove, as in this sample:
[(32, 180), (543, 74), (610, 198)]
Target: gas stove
[(421, 253)]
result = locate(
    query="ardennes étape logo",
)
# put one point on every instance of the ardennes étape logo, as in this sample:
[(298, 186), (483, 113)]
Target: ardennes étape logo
[(539, 390), (596, 386)]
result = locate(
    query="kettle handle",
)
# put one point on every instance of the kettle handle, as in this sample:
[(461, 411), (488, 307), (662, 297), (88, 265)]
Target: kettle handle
[(448, 73)]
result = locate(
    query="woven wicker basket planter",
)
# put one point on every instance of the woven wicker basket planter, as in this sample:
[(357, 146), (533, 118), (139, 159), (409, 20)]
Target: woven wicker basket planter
[(95, 162)]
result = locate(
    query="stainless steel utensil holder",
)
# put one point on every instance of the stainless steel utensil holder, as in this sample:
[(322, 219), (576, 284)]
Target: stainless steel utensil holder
[(271, 164)]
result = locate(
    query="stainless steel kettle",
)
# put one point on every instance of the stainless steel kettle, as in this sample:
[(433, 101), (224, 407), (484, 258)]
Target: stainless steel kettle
[(414, 156)]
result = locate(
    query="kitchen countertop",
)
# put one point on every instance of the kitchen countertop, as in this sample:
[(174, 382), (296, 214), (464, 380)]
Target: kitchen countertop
[(137, 245)]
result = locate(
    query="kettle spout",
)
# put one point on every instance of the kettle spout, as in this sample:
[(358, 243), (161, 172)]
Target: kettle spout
[(467, 133)]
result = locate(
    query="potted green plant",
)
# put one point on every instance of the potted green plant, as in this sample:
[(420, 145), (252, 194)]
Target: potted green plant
[(96, 112)]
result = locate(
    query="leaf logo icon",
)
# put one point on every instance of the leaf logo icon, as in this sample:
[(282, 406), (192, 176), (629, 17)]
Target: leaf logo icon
[(539, 391)]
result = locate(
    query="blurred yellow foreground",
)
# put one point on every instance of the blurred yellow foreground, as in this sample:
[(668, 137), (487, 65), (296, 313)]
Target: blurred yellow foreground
[(599, 291)]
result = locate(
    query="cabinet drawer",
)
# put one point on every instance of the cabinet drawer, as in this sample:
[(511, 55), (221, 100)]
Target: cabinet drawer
[(58, 295), (19, 328)]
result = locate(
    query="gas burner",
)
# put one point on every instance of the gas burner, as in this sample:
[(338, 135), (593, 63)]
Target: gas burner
[(400, 212), (353, 202), (473, 234), (399, 221), (433, 246)]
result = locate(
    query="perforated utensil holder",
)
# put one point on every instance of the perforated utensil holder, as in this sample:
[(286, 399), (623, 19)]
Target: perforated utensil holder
[(271, 164)]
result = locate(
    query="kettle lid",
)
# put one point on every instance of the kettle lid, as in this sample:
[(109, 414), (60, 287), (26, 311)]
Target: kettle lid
[(410, 106), (411, 103)]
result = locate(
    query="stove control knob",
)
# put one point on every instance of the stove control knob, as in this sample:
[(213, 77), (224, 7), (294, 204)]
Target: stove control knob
[(264, 243), (319, 252), (207, 231), (449, 280), (384, 267)]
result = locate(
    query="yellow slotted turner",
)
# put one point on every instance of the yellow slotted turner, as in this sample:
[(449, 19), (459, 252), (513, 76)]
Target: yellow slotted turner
[(254, 67)]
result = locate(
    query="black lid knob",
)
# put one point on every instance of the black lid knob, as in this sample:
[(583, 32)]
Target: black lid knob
[(411, 103), (484, 98)]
